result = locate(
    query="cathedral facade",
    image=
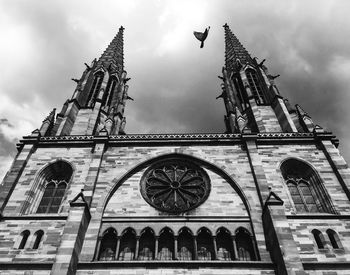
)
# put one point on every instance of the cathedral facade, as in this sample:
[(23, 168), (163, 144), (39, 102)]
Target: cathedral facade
[(268, 196)]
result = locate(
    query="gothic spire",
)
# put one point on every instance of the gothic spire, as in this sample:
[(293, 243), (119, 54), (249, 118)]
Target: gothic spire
[(113, 57), (235, 54)]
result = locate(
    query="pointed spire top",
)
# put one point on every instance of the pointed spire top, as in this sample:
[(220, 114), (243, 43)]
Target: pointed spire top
[(113, 57), (51, 116), (235, 54)]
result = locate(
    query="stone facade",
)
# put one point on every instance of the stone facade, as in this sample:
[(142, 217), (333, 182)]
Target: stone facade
[(252, 211)]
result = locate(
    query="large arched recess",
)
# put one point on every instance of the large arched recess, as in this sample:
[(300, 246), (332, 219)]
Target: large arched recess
[(203, 163)]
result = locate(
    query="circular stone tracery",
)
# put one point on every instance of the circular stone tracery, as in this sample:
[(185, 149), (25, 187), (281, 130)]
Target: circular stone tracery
[(175, 185)]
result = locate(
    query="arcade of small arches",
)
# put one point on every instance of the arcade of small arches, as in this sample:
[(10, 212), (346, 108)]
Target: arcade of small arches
[(183, 246)]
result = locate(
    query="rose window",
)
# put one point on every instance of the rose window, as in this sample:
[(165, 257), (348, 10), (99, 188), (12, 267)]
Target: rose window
[(175, 185)]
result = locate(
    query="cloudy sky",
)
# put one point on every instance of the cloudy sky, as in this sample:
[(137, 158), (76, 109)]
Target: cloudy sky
[(45, 43)]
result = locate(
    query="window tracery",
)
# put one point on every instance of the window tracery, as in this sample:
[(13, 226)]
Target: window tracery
[(175, 185)]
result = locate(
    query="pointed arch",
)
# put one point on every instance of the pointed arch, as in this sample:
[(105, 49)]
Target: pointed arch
[(205, 245), (146, 245), (224, 243), (306, 187), (203, 163), (24, 235), (95, 87), (127, 245), (54, 180), (255, 85), (319, 238), (185, 245), (38, 237), (110, 88), (108, 245), (245, 246), (334, 239), (166, 244)]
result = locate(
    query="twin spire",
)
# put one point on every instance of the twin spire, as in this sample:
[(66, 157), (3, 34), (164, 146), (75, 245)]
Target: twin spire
[(251, 98)]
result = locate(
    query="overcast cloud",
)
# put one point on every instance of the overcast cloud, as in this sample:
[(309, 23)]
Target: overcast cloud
[(174, 83)]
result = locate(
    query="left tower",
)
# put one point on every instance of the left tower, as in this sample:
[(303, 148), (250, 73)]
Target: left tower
[(46, 194)]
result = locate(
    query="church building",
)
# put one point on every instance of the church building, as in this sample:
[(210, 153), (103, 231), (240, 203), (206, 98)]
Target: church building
[(269, 196)]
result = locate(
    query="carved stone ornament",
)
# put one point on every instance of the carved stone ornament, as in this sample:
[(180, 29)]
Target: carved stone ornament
[(175, 185)]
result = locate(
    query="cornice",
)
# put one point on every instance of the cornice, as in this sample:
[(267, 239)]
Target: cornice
[(156, 139)]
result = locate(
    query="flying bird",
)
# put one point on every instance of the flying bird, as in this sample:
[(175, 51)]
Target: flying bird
[(201, 36)]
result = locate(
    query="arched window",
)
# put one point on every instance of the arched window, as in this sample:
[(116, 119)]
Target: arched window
[(205, 249), (166, 245), (224, 245), (244, 245), (334, 238), (108, 245), (146, 250), (38, 236), (95, 87), (255, 86), (127, 245), (185, 245), (55, 178), (306, 188), (108, 95), (25, 234), (319, 239)]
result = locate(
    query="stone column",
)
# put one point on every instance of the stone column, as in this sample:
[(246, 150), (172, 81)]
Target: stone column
[(137, 247), (156, 248), (215, 248), (175, 248), (195, 256), (66, 260)]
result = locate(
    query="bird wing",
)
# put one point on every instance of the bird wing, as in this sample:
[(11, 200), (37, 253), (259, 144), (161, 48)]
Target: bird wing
[(198, 35)]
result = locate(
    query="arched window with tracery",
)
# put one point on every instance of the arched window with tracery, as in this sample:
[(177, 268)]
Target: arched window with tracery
[(255, 86), (108, 94), (205, 248), (127, 245), (245, 248), (108, 245), (166, 244), (319, 239), (224, 245), (334, 239), (25, 235), (305, 187), (95, 87), (185, 245), (55, 179), (38, 237), (146, 245)]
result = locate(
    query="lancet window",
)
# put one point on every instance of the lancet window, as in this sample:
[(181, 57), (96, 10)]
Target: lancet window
[(334, 239), (319, 238), (95, 87), (108, 95), (38, 237), (305, 187), (25, 235), (255, 86), (55, 179)]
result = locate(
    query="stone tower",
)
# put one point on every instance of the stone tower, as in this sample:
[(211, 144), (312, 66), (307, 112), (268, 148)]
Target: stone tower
[(269, 196)]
